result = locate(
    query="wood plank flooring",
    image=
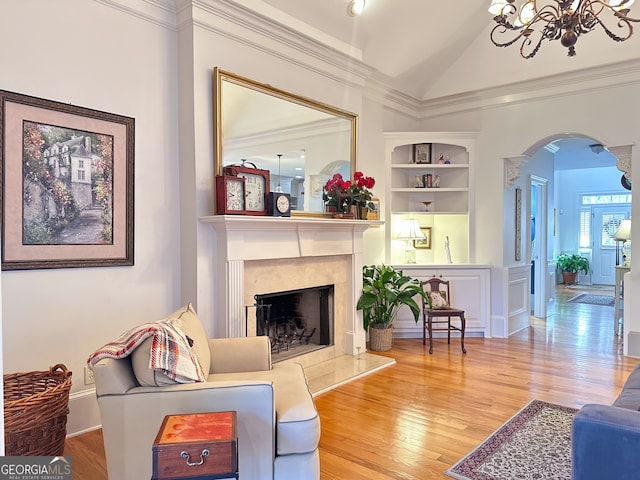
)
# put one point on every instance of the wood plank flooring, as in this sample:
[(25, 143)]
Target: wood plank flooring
[(413, 420)]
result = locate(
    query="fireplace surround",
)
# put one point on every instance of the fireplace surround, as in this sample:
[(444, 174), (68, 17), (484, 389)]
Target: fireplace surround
[(254, 255)]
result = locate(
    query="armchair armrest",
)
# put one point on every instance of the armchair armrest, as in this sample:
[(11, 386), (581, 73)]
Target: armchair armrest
[(605, 443), (236, 355)]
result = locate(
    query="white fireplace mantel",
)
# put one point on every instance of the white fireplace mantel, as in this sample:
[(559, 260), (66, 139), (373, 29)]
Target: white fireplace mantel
[(246, 238)]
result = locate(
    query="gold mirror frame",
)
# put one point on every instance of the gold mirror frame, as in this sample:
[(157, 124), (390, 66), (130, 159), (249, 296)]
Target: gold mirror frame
[(313, 108)]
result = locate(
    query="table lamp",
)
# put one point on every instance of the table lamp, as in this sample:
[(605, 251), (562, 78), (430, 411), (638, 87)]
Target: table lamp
[(410, 231), (623, 234)]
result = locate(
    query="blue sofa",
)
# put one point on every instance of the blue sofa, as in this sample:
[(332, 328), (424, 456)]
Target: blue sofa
[(605, 439)]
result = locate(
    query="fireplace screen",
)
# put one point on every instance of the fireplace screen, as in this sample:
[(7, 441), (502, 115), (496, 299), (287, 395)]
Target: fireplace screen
[(296, 321)]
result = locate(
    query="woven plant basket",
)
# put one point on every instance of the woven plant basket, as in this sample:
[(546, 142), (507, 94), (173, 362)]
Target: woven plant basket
[(380, 339), (36, 405)]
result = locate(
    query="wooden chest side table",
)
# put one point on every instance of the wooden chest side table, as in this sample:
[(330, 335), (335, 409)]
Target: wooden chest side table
[(196, 446)]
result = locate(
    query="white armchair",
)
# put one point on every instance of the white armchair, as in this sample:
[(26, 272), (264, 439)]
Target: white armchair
[(278, 424)]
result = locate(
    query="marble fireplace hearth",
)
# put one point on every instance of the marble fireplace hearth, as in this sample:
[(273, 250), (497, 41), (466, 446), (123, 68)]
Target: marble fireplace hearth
[(257, 255)]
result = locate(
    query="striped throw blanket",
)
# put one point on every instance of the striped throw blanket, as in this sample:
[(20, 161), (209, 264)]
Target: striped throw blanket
[(170, 350)]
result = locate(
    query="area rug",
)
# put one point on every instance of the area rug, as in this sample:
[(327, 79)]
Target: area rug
[(534, 444), (606, 300)]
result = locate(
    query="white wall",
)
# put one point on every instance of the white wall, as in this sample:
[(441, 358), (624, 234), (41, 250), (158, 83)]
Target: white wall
[(89, 54)]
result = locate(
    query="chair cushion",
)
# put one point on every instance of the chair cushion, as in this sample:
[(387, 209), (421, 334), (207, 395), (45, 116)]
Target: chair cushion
[(147, 377), (439, 300), (192, 327), (186, 319)]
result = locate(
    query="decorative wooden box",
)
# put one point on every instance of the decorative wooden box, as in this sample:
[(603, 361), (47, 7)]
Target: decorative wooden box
[(198, 445)]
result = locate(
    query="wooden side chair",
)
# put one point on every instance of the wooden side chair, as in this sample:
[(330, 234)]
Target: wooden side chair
[(440, 312)]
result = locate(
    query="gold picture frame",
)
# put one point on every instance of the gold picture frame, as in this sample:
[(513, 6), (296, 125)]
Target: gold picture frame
[(424, 243)]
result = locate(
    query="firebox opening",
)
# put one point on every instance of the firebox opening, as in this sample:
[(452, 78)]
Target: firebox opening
[(296, 321)]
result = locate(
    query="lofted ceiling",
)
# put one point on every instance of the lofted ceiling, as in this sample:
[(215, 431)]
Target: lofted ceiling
[(429, 49)]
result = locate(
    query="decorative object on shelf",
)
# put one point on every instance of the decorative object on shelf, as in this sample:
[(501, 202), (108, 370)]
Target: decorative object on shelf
[(279, 204), (424, 243), (410, 231), (435, 183), (447, 249), (374, 214), (623, 234), (534, 21), (421, 181), (384, 291), (447, 160), (256, 186), (422, 153), (570, 264), (342, 194), (428, 180), (230, 195), (441, 159), (426, 205)]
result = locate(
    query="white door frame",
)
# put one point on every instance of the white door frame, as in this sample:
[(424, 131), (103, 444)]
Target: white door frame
[(540, 270)]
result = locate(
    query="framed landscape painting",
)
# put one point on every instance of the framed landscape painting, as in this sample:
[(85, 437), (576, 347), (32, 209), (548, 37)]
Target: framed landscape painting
[(67, 185)]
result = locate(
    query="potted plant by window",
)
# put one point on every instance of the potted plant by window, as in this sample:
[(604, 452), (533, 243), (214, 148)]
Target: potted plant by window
[(384, 291), (570, 264)]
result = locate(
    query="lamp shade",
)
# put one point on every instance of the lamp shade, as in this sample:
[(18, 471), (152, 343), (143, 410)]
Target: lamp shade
[(624, 230), (410, 230)]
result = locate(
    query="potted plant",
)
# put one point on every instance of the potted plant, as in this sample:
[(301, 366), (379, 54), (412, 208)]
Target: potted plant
[(570, 264), (340, 195), (384, 291)]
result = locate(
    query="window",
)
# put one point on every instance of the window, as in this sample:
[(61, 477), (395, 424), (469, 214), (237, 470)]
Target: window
[(606, 199), (585, 228)]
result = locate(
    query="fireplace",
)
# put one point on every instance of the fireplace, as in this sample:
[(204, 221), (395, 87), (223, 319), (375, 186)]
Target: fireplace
[(296, 321), (251, 256)]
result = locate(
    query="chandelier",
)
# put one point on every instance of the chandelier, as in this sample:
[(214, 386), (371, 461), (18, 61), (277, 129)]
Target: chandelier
[(533, 21)]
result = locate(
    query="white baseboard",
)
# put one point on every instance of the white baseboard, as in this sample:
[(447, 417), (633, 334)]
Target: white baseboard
[(84, 415)]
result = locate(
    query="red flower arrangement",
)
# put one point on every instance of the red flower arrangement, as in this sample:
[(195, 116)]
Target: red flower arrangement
[(344, 193)]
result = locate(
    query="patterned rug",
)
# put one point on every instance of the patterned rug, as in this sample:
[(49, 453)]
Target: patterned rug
[(534, 444), (594, 299)]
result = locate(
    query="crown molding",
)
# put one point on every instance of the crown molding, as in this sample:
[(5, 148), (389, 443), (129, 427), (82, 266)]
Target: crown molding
[(582, 81), (262, 33), (158, 12)]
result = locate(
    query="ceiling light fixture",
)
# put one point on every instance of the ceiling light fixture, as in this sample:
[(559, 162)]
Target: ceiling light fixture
[(536, 20), (355, 7)]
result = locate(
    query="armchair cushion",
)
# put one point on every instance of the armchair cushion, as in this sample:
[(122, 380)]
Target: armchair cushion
[(146, 376), (186, 320), (190, 324)]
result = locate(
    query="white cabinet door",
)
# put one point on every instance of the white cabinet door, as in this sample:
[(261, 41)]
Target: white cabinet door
[(470, 291)]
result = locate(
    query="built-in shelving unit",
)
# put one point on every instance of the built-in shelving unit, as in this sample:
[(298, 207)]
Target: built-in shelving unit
[(447, 186)]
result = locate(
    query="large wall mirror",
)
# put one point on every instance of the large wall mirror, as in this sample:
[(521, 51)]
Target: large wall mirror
[(300, 141)]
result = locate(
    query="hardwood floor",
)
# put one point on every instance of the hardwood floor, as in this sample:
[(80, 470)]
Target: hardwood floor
[(413, 420)]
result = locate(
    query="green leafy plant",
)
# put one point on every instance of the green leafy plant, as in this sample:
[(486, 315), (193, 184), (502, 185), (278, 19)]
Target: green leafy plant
[(572, 262), (384, 291)]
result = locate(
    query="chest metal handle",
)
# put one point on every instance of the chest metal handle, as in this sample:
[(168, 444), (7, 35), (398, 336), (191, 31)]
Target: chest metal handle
[(185, 455)]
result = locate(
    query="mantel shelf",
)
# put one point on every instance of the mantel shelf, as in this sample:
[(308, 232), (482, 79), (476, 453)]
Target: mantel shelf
[(261, 223)]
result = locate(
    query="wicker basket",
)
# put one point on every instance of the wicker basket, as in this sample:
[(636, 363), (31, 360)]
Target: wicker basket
[(380, 339), (36, 405)]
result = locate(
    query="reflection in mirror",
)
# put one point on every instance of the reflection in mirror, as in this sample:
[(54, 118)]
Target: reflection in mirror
[(301, 142)]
